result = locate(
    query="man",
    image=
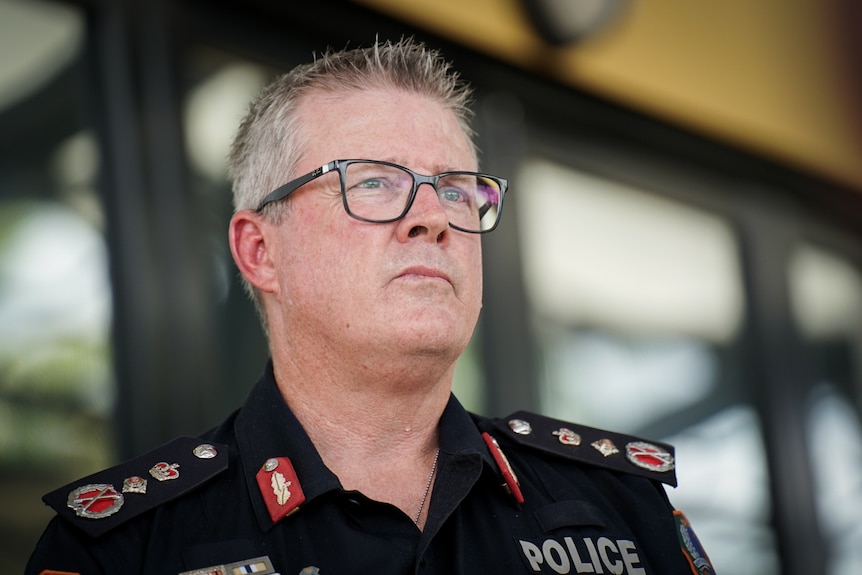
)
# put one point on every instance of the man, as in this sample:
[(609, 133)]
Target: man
[(350, 454)]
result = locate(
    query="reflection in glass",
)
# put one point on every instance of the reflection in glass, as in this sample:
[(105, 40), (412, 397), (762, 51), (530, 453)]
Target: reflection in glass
[(54, 323), (56, 376), (724, 491), (835, 442), (624, 383), (826, 293), (600, 253), (637, 302)]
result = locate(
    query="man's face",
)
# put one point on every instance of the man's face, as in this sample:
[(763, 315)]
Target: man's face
[(409, 287)]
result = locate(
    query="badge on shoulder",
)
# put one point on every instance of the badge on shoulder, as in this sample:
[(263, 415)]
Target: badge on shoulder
[(591, 446), (95, 506), (691, 547)]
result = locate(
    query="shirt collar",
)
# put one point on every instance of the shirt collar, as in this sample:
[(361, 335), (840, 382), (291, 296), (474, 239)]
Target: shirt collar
[(267, 428), (459, 433)]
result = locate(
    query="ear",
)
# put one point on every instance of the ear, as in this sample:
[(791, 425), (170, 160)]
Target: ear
[(251, 252)]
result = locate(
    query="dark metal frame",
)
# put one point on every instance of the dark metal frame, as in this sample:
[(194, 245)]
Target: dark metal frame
[(340, 166)]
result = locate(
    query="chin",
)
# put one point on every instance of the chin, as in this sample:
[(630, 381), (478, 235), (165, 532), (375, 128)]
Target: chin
[(432, 329), (446, 342)]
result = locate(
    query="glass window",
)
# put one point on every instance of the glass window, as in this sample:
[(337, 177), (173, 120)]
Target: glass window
[(826, 290), (56, 376), (637, 303), (217, 87)]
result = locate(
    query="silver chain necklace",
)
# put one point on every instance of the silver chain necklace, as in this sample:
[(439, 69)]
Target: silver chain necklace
[(427, 487)]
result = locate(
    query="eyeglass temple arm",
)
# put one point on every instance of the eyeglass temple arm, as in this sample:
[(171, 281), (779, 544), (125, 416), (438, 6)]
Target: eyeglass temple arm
[(282, 192)]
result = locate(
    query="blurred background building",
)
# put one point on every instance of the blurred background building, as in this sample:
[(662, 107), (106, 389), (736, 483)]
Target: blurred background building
[(680, 257)]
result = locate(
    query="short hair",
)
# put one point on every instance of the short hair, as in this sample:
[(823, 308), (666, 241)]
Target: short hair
[(269, 142)]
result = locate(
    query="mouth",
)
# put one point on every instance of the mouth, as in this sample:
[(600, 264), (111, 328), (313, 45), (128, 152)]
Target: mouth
[(424, 273)]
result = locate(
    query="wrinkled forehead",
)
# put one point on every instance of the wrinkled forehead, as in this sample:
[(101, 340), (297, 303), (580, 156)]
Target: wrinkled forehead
[(346, 118)]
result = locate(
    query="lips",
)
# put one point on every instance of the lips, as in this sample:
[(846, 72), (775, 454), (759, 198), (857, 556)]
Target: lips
[(421, 272)]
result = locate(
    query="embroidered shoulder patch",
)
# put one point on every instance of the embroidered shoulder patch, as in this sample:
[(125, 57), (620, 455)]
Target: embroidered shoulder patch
[(691, 546)]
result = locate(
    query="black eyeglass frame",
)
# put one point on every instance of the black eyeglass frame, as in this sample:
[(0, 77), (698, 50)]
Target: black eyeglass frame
[(285, 190)]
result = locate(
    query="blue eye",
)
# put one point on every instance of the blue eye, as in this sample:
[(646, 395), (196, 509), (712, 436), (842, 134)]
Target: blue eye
[(363, 177), (453, 195), (371, 183)]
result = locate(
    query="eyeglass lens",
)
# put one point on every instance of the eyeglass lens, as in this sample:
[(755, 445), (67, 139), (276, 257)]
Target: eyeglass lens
[(379, 192)]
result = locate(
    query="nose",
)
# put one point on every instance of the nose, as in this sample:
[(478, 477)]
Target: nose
[(426, 216)]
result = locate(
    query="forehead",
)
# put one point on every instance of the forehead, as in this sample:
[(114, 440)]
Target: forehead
[(382, 124)]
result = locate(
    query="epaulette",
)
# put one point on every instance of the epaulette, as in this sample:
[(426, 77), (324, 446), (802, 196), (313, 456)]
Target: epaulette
[(614, 451), (101, 501)]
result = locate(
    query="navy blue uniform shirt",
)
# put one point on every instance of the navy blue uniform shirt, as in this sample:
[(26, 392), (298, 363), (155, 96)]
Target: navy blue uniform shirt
[(209, 514)]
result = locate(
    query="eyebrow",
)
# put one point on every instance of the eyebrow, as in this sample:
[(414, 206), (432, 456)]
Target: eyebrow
[(436, 170)]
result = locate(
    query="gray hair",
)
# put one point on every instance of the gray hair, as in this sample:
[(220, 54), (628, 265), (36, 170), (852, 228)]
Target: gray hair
[(270, 141)]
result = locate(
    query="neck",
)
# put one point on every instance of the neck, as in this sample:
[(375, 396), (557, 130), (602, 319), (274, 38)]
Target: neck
[(390, 418), (379, 400), (411, 390), (362, 421)]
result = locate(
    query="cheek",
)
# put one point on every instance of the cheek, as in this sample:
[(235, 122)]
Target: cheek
[(330, 259), (475, 271), (306, 255)]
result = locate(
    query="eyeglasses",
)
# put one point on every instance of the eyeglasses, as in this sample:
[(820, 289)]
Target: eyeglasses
[(382, 192)]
